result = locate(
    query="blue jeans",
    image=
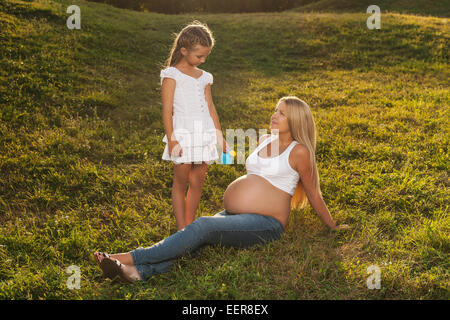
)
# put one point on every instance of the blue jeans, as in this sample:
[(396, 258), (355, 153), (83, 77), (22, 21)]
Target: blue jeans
[(240, 230)]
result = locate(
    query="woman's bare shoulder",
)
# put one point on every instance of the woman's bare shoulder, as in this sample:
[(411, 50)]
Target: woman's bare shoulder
[(299, 156), (299, 148)]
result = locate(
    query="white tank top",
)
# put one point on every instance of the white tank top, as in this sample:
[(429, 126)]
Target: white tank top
[(276, 170)]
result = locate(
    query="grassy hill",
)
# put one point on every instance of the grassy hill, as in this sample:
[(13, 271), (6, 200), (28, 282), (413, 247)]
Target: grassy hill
[(439, 8), (81, 145)]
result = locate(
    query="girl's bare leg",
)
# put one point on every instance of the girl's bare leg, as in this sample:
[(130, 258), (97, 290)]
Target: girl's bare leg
[(180, 180), (196, 180)]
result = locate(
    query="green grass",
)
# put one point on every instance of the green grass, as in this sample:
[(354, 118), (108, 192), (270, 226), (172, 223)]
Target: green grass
[(439, 8), (81, 145)]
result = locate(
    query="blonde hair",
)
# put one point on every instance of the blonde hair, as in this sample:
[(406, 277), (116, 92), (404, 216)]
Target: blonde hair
[(303, 130), (193, 34)]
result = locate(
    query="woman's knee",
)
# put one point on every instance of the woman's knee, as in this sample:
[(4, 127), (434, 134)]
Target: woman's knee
[(203, 225), (201, 222)]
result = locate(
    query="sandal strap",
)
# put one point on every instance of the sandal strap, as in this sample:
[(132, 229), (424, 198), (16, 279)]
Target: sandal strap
[(105, 255)]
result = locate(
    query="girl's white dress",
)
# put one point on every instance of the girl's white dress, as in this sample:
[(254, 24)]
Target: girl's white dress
[(193, 126)]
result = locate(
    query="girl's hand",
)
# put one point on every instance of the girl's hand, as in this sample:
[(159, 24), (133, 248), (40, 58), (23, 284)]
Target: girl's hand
[(175, 149), (225, 146)]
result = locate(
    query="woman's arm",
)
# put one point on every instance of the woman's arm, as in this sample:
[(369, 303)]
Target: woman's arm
[(303, 168)]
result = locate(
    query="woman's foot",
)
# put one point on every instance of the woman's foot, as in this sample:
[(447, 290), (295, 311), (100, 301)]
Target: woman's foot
[(124, 258), (99, 256), (131, 273), (112, 268)]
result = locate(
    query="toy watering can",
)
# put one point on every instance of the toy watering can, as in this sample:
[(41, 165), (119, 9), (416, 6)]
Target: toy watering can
[(227, 157)]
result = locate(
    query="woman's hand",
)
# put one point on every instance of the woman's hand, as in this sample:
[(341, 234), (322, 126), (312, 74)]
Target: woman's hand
[(175, 149)]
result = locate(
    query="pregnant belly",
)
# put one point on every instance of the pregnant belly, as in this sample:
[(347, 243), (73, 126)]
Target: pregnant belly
[(254, 194)]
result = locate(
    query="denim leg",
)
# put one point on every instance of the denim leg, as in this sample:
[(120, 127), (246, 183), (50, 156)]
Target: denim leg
[(146, 271), (241, 230), (235, 230), (178, 244)]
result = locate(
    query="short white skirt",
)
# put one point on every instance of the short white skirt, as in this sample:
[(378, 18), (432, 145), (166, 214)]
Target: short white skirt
[(197, 137)]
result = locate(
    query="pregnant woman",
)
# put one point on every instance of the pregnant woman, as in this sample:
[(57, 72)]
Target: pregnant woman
[(281, 175)]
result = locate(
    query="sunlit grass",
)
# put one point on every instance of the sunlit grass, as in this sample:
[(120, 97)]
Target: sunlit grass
[(81, 145)]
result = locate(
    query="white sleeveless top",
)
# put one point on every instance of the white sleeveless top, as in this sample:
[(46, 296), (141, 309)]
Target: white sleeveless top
[(276, 170)]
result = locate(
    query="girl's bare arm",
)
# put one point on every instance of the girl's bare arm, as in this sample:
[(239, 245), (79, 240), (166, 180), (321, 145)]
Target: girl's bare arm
[(167, 93), (214, 115)]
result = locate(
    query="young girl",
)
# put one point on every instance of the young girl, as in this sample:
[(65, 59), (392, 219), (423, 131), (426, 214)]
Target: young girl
[(190, 119)]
